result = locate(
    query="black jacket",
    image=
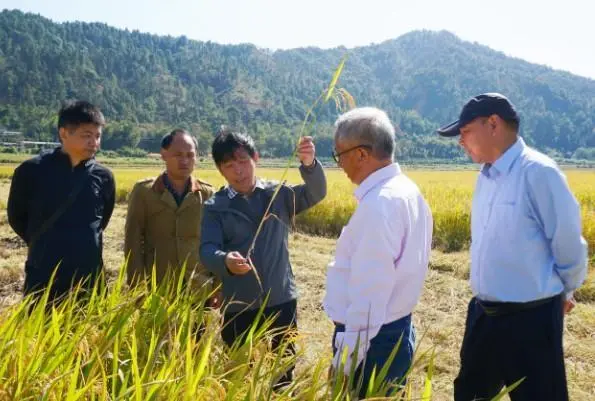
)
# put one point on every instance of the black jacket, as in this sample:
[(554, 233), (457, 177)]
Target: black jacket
[(39, 186)]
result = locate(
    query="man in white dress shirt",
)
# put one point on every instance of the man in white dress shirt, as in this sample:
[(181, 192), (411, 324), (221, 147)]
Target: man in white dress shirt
[(377, 275)]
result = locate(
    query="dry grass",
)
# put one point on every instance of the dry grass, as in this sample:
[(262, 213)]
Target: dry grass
[(439, 316)]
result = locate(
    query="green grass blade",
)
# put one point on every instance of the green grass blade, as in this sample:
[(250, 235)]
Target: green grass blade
[(507, 390), (427, 393), (331, 88)]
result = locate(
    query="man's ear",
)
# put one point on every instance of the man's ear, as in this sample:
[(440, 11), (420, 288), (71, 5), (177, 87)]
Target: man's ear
[(256, 157), (493, 121), (62, 133), (363, 154), (163, 153)]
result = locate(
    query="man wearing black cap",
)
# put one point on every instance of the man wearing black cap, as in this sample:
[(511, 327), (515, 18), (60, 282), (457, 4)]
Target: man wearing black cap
[(527, 258)]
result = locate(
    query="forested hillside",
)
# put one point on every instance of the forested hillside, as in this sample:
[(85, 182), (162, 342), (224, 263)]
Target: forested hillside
[(148, 84)]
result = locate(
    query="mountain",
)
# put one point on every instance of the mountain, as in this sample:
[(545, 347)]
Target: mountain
[(148, 84)]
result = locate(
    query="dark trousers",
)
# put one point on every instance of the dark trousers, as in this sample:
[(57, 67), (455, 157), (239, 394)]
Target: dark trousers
[(235, 325), (501, 348), (380, 349)]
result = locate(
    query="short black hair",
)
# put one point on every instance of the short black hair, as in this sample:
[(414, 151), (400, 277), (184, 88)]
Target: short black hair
[(76, 112), (513, 125), (169, 138), (227, 143)]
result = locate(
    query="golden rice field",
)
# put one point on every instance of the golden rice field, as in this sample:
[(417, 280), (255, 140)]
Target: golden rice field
[(448, 193), (139, 346)]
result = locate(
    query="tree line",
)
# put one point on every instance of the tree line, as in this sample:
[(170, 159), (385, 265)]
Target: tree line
[(148, 84)]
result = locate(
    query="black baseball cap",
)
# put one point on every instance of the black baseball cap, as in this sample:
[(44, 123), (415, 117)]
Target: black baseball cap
[(483, 105)]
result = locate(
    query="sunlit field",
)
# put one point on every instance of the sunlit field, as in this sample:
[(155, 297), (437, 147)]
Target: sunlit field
[(142, 346), (448, 193)]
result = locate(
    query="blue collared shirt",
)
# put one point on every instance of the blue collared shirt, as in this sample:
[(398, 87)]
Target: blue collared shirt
[(526, 241)]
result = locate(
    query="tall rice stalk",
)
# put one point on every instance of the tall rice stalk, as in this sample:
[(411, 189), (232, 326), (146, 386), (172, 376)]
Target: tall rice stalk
[(342, 99)]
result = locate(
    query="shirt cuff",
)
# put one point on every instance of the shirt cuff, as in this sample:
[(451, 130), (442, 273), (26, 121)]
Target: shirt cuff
[(310, 167), (348, 341), (569, 295), (219, 264)]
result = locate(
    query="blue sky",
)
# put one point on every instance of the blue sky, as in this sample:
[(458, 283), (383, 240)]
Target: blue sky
[(560, 34)]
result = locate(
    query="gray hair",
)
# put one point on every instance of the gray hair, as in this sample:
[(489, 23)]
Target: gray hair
[(368, 126)]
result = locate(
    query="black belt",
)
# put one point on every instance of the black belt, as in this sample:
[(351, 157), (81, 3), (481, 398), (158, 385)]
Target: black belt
[(505, 308)]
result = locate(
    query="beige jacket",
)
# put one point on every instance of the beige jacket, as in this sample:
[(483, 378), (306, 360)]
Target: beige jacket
[(161, 233)]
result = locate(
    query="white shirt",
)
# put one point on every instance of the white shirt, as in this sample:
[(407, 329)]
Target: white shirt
[(381, 260)]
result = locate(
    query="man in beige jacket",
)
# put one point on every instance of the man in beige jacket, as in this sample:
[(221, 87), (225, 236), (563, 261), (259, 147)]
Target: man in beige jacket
[(164, 219)]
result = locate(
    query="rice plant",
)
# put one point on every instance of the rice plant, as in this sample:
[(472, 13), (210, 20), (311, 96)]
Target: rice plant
[(153, 342)]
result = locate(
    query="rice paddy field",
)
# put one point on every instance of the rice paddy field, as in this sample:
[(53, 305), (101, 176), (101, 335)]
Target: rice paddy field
[(139, 346)]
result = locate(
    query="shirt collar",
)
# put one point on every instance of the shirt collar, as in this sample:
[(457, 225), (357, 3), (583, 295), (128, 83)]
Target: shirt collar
[(170, 187), (377, 177), (505, 161), (65, 158), (231, 193)]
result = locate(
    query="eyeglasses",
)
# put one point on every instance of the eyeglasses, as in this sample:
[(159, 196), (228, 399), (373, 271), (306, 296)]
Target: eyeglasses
[(336, 155)]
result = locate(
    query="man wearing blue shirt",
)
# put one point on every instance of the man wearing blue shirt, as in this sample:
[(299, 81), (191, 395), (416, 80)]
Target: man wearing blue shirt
[(527, 258)]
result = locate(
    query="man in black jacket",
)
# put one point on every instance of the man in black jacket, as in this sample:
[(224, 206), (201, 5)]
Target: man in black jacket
[(60, 203)]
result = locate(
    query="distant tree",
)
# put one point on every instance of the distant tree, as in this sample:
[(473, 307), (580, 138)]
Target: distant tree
[(584, 154)]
